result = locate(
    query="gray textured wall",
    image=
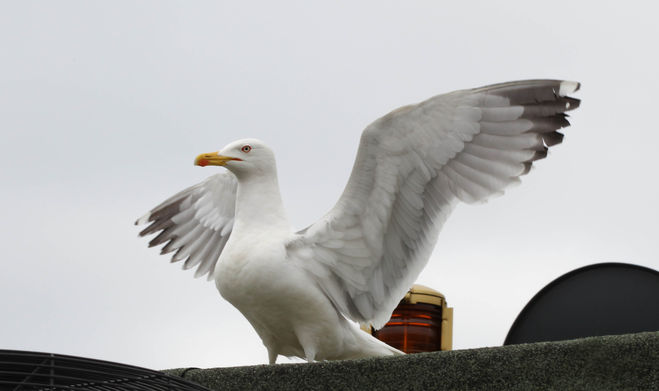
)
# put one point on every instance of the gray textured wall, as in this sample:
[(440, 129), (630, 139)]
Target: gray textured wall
[(624, 362)]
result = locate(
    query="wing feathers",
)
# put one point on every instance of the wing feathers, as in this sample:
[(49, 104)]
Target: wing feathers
[(549, 124), (163, 237), (195, 223), (547, 109), (500, 155), (156, 226), (552, 138), (488, 182), (528, 141), (509, 128), (531, 91), (413, 165), (501, 114), (196, 248), (494, 168)]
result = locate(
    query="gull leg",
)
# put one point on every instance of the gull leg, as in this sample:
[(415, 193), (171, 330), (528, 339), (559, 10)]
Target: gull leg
[(308, 345), (272, 356), (309, 354)]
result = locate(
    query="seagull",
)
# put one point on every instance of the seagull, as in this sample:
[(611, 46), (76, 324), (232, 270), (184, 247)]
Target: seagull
[(304, 292)]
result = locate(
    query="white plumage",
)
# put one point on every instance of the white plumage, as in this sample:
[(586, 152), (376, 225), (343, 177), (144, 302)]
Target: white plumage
[(298, 289)]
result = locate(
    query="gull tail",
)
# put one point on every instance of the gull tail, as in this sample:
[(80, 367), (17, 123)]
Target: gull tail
[(368, 346)]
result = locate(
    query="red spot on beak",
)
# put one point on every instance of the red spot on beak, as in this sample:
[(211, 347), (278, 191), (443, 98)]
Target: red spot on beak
[(203, 162)]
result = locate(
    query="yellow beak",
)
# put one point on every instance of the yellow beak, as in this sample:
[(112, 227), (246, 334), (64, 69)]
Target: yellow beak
[(213, 159)]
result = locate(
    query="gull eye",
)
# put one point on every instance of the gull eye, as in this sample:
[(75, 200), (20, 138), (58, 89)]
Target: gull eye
[(246, 148)]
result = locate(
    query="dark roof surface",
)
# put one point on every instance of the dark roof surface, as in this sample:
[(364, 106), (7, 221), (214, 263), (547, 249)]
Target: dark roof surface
[(622, 362)]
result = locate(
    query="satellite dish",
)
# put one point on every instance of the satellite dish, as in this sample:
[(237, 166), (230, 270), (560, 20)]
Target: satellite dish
[(599, 299), (21, 370)]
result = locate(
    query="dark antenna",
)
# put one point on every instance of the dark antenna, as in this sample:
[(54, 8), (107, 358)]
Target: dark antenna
[(599, 299)]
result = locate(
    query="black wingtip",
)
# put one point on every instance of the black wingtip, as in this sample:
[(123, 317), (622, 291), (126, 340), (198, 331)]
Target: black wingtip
[(552, 138), (161, 238), (541, 154), (572, 103)]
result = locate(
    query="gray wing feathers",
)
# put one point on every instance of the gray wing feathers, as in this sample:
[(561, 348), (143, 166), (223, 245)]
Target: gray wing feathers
[(516, 127), (412, 167), (196, 223)]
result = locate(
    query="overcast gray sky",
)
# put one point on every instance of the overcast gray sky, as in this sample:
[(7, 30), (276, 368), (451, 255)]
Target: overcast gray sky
[(104, 105)]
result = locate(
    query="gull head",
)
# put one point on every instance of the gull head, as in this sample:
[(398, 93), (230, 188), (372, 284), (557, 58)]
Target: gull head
[(246, 157)]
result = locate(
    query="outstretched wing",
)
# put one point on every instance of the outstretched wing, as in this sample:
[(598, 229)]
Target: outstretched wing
[(413, 165), (196, 222)]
